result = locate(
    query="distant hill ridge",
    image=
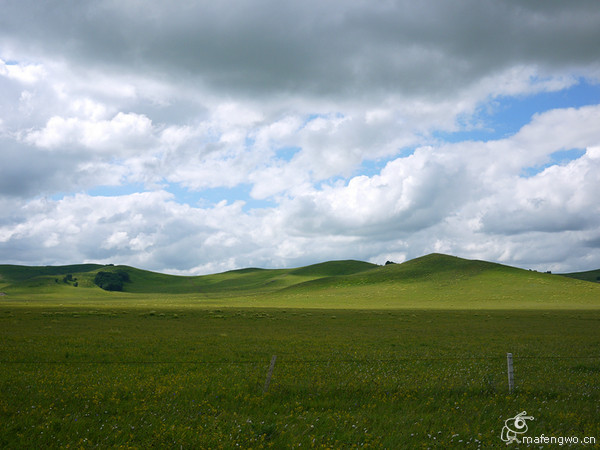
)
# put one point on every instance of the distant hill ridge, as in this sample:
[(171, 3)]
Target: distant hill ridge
[(590, 275), (20, 273), (20, 277), (436, 275)]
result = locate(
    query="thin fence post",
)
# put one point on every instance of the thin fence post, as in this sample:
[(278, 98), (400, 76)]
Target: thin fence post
[(270, 373), (511, 379)]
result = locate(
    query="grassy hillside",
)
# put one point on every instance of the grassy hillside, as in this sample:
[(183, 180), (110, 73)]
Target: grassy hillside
[(442, 281), (11, 273), (334, 268), (250, 281), (432, 281), (590, 275)]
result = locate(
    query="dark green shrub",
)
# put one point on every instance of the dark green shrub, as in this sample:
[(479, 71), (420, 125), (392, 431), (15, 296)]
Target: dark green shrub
[(123, 274), (111, 281)]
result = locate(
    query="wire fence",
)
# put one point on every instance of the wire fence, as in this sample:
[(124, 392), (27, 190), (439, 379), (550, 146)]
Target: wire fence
[(485, 373)]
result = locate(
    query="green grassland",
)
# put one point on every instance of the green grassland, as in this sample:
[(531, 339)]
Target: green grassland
[(409, 355), (590, 275), (432, 282)]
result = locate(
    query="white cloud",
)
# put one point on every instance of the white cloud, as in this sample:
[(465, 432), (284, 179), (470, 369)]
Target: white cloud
[(23, 73), (561, 129), (561, 198), (117, 240), (88, 108), (123, 132)]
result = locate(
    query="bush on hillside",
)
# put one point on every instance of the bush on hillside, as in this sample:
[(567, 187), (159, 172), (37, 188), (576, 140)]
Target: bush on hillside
[(111, 281), (123, 274)]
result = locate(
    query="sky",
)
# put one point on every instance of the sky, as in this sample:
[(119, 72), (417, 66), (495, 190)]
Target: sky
[(195, 137)]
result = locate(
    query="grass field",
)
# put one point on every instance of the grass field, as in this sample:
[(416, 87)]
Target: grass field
[(402, 356)]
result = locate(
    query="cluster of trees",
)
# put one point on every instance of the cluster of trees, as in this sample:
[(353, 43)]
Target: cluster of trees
[(111, 281), (68, 279)]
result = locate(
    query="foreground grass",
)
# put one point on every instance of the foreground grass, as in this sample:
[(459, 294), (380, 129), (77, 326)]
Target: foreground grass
[(193, 377)]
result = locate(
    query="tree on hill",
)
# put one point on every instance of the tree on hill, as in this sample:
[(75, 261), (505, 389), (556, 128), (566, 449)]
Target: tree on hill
[(123, 274), (111, 281)]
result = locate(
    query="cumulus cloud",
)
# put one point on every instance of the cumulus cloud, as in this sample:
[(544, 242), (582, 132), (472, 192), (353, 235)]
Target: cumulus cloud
[(560, 198), (25, 74), (123, 130)]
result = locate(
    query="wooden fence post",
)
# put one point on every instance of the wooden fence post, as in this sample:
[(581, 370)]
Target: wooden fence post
[(511, 379), (270, 373)]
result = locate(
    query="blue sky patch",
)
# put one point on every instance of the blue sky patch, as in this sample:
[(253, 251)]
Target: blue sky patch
[(287, 153), (211, 196), (116, 191), (505, 116), (560, 158)]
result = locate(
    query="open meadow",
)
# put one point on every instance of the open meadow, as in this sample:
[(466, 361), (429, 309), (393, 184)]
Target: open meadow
[(85, 368)]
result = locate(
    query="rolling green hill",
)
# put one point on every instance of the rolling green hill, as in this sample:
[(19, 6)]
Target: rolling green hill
[(590, 275), (21, 279), (442, 281), (432, 281), (12, 273), (334, 268)]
